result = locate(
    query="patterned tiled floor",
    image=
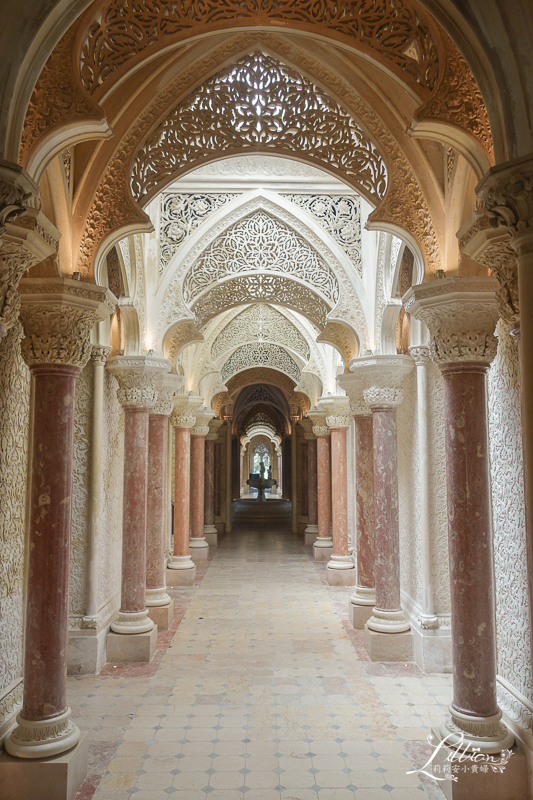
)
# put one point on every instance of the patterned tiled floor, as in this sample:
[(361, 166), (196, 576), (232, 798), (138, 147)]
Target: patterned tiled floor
[(260, 695)]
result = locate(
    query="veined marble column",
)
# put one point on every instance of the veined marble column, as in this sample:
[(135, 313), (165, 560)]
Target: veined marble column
[(210, 531), (139, 378), (160, 605), (387, 635), (364, 598), (294, 474), (199, 548), (218, 486), (341, 567), (323, 545), (181, 570), (461, 314), (311, 531), (57, 319), (229, 463)]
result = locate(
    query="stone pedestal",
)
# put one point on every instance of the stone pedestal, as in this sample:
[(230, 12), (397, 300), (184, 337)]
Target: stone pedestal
[(162, 616), (181, 570), (323, 545), (461, 314), (510, 784), (54, 778), (57, 321), (388, 646), (133, 648), (139, 380), (381, 377)]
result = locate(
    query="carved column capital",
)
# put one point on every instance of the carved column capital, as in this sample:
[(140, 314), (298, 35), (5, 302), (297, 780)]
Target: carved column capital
[(461, 314), (507, 196), (203, 416), (318, 418), (58, 315), (100, 353), (353, 386), (139, 378), (307, 426), (16, 191), (170, 384), (420, 354), (382, 377), (26, 243), (183, 415)]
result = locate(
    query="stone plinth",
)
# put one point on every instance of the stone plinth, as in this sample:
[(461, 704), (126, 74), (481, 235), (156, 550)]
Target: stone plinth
[(181, 576), (133, 648), (162, 616), (55, 778), (388, 646)]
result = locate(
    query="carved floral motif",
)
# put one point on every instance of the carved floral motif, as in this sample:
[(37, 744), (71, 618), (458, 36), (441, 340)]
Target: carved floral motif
[(260, 354)]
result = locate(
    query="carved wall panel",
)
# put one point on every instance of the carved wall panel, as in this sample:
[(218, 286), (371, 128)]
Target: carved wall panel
[(508, 515), (14, 417), (258, 102), (80, 491), (260, 354), (264, 288), (110, 543), (119, 34), (263, 243), (262, 323), (340, 217), (180, 215)]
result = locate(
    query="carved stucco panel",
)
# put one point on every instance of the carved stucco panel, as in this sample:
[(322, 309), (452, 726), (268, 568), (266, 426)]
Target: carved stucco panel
[(508, 513), (80, 491), (14, 422), (110, 544)]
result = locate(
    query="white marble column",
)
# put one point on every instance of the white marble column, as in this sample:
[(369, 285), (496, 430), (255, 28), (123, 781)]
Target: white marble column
[(198, 544), (323, 545), (229, 463), (294, 473), (210, 531)]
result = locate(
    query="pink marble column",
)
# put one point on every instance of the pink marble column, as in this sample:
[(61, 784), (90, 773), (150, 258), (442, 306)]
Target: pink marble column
[(209, 482), (341, 567), (156, 589), (461, 315), (218, 472), (311, 531), (323, 546), (180, 569), (364, 596), (56, 348), (387, 616)]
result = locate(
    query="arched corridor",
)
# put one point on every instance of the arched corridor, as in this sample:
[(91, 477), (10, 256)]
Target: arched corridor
[(261, 693), (266, 396)]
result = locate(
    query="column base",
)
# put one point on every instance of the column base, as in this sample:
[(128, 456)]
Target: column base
[(132, 623), (55, 778), (42, 738), (86, 651), (198, 549), (211, 535), (469, 733), (323, 549), (388, 646), (510, 784), (130, 649), (310, 534), (388, 621), (183, 574), (162, 616), (156, 597)]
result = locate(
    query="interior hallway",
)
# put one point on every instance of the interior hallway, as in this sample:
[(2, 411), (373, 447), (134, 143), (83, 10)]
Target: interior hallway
[(260, 694)]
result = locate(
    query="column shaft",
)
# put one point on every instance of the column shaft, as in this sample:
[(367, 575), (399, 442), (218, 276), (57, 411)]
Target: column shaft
[(209, 491), (294, 476), (364, 497), (469, 538), (323, 545), (312, 504), (47, 608), (340, 569), (218, 467), (228, 476), (100, 354), (182, 481), (387, 615), (156, 594)]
